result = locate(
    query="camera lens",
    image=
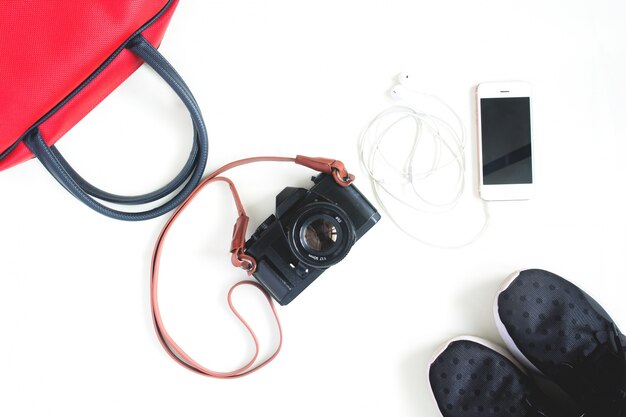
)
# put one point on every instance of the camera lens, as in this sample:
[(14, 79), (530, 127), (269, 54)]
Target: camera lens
[(319, 235), (322, 235)]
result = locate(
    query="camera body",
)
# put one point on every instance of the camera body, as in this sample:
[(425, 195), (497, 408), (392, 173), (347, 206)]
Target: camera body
[(312, 230)]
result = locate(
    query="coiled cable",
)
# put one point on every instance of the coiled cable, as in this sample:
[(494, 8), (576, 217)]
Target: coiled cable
[(428, 184)]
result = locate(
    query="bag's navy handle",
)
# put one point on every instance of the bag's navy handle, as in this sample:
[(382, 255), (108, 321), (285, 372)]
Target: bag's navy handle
[(192, 172)]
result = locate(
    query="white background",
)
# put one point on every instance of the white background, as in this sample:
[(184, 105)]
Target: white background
[(279, 77)]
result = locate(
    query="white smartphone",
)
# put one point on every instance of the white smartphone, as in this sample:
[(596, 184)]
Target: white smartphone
[(505, 153)]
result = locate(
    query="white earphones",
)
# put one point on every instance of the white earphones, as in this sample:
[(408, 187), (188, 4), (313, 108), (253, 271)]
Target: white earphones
[(402, 90), (408, 183), (406, 93), (399, 92), (405, 78)]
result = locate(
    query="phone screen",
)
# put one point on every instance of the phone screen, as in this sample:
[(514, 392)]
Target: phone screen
[(506, 147)]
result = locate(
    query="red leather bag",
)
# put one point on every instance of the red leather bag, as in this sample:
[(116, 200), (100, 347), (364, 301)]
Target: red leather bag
[(58, 60)]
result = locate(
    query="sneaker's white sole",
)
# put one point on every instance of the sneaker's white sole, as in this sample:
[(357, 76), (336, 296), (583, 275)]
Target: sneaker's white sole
[(504, 334), (478, 340)]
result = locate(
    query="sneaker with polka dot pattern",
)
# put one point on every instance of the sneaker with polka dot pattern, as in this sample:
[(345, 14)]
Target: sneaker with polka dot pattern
[(556, 329), (472, 378)]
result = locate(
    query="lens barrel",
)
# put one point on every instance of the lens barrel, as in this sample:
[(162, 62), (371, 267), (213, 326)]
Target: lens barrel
[(322, 235)]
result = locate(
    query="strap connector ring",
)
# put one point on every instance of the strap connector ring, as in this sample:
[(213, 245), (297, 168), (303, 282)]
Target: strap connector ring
[(239, 259), (329, 166)]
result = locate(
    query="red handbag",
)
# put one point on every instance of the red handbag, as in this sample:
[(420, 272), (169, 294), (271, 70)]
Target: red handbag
[(58, 60)]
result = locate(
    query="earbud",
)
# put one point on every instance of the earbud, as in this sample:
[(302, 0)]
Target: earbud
[(404, 90), (400, 92), (405, 78)]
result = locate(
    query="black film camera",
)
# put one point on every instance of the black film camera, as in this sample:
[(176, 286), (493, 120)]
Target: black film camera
[(311, 231)]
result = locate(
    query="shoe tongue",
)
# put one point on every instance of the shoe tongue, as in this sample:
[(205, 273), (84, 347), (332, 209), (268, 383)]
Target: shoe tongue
[(539, 406), (600, 378), (612, 338)]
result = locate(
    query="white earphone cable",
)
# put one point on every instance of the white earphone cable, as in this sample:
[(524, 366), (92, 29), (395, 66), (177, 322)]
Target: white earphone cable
[(447, 135)]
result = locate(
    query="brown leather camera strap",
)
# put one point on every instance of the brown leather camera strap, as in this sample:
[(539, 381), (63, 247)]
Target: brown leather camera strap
[(238, 259)]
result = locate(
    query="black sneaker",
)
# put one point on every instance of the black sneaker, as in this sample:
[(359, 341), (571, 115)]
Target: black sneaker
[(553, 327), (472, 378)]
